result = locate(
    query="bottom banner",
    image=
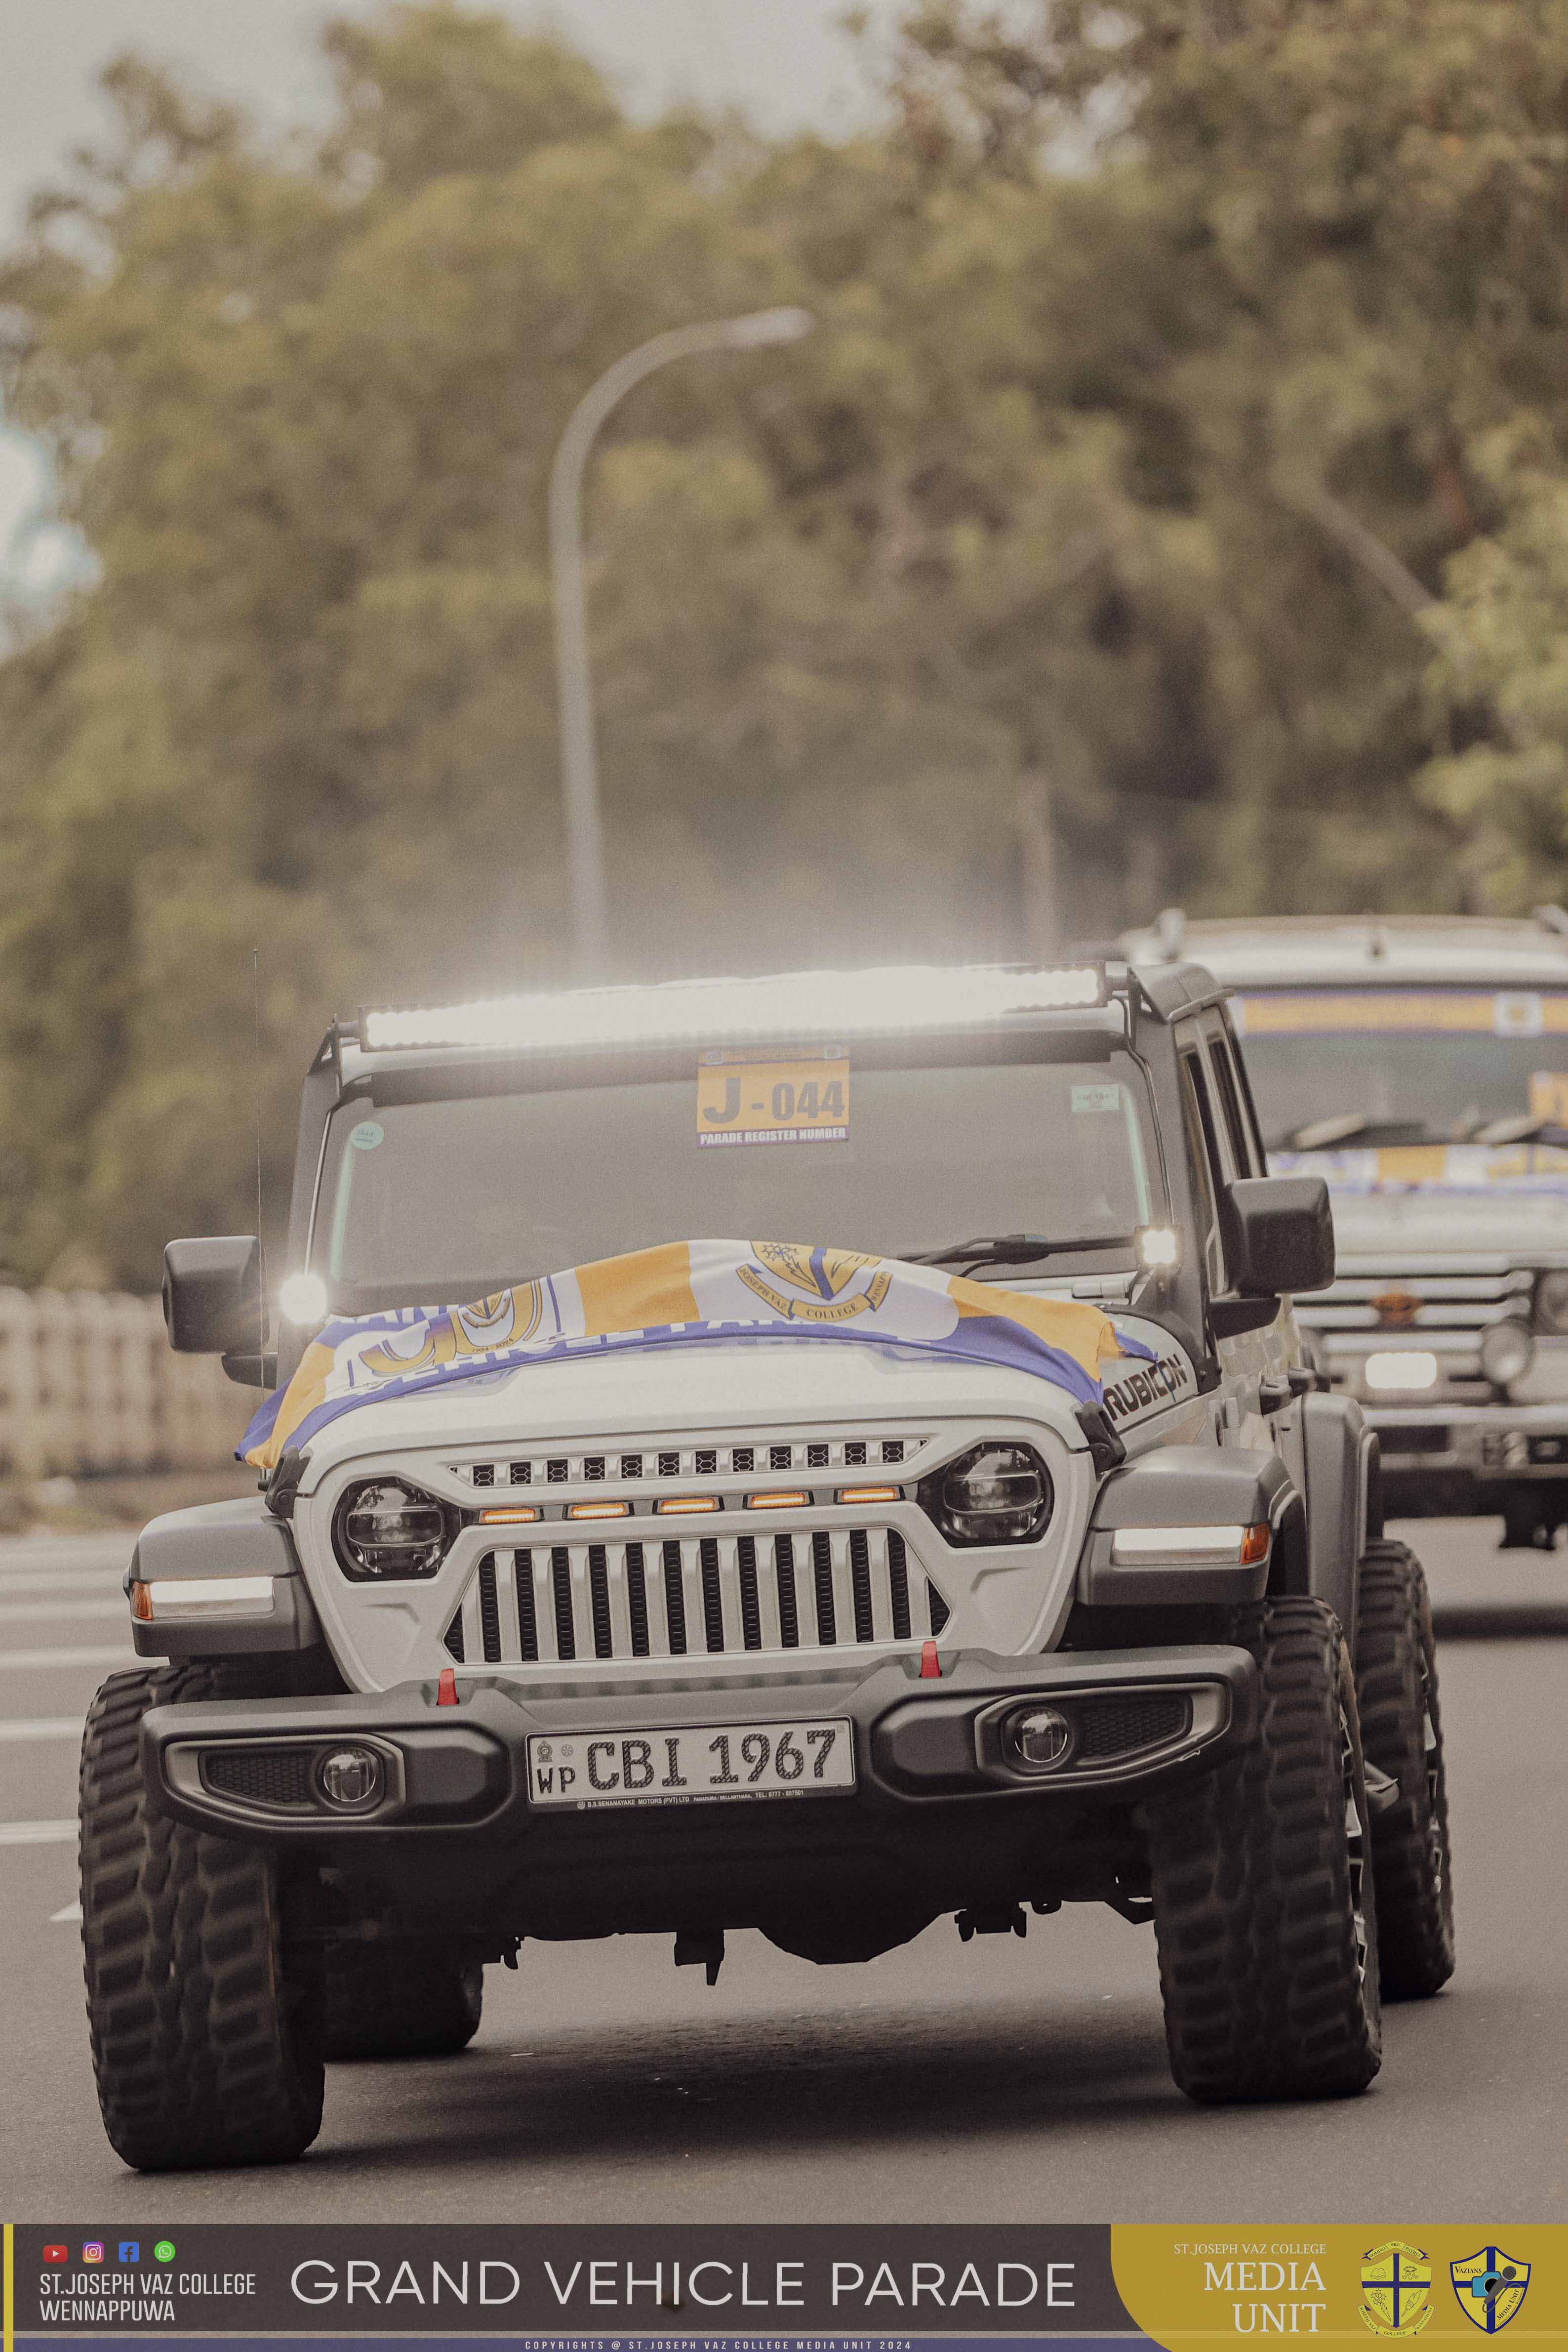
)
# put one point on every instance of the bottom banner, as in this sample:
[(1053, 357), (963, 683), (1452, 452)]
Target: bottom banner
[(756, 2288)]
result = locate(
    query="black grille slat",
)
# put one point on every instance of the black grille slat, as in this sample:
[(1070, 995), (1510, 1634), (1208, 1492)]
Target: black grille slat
[(750, 1605), (669, 1465), (489, 1611), (278, 1777), (713, 1598), (674, 1600), (784, 1573), (860, 1582), (822, 1570), (855, 1453), (1122, 1725), (561, 1575), (816, 1457), (483, 1473), (781, 1457), (637, 1600), (631, 1466), (892, 1449), (743, 1458), (707, 1461), (598, 1594), (593, 1466), (452, 1638), (940, 1613), (528, 1621), (522, 1474), (898, 1586), (557, 1472)]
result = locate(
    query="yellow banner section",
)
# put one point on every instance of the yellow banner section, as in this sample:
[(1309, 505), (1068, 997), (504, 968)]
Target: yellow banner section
[(1346, 2283), (1321, 1012)]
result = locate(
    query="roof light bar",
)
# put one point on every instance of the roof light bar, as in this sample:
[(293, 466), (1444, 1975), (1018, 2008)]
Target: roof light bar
[(888, 1000)]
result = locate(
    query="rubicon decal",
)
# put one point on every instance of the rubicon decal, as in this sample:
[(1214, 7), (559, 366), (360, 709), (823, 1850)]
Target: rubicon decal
[(1150, 1388)]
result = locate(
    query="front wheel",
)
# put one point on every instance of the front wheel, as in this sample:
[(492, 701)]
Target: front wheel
[(400, 2000), (1263, 1885), (1402, 1730), (206, 2029)]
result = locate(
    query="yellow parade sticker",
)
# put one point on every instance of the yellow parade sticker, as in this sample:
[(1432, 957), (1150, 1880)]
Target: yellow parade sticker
[(805, 1099)]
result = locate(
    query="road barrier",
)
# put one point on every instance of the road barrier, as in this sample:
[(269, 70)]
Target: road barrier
[(89, 1384)]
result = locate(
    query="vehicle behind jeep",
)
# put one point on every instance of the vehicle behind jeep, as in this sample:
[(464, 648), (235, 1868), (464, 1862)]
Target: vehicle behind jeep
[(987, 1546), (1421, 1065)]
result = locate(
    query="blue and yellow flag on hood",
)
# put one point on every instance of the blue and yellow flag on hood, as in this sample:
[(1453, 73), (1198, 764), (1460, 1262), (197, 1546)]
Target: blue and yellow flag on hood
[(682, 1293)]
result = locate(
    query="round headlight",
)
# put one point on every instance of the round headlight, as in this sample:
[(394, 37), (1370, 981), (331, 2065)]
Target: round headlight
[(387, 1529), (1506, 1353), (1552, 1302), (995, 1494)]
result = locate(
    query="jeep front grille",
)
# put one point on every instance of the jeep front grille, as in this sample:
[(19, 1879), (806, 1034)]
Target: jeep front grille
[(687, 1461), (693, 1596)]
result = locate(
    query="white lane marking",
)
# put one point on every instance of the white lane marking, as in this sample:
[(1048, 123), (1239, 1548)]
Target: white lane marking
[(38, 1833), (61, 1579), (42, 1726), (69, 1917), (17, 1612), (29, 1659)]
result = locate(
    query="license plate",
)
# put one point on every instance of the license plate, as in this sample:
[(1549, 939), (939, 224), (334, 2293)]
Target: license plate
[(686, 1768)]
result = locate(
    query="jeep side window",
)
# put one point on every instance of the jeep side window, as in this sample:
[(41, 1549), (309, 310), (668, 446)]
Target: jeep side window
[(1203, 1152), (1243, 1151)]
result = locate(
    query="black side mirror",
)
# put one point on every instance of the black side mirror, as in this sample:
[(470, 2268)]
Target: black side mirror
[(1279, 1234), (211, 1295)]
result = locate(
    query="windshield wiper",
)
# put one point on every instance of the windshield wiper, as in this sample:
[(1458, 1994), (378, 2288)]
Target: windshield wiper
[(1004, 1249)]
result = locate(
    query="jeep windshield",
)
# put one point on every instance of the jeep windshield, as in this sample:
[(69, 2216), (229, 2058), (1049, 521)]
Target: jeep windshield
[(426, 1201), (1355, 1069)]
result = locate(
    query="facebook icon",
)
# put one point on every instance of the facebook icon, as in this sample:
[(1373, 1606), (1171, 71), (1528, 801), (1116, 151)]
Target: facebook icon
[(130, 2250)]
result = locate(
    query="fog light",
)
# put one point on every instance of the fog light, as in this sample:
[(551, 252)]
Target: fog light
[(1506, 1353), (349, 1778), (1041, 1738)]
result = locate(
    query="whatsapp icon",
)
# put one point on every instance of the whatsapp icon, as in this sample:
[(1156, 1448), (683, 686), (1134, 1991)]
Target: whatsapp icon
[(163, 2251)]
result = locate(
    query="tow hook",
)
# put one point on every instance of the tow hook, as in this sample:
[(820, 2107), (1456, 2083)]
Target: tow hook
[(703, 1950)]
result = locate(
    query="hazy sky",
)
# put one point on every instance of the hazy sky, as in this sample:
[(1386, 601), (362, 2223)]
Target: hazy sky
[(783, 60)]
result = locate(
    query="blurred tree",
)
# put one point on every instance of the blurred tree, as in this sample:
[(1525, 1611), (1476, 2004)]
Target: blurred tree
[(1093, 550)]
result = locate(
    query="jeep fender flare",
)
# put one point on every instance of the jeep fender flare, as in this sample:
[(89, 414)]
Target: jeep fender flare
[(1340, 1453)]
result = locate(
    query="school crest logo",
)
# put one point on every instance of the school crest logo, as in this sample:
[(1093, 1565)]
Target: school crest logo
[(1396, 2289), (1490, 2285), (824, 1276)]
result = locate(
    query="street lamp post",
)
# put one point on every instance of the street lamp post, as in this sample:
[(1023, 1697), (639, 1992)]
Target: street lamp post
[(579, 763)]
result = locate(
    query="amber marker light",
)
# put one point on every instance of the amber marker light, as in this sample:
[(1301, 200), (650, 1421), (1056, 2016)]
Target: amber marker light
[(787, 1499), (599, 1510), (867, 1494), (516, 1515), (671, 1505)]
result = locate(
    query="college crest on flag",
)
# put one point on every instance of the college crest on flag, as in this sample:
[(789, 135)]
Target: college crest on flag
[(1396, 2289), (682, 1293), (1491, 2286)]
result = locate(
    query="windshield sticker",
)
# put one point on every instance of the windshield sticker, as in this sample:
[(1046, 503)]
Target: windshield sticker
[(1090, 1099), (1322, 1012), (367, 1135), (805, 1099)]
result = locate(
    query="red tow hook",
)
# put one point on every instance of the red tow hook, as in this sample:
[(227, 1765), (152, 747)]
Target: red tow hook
[(930, 1664), (446, 1687)]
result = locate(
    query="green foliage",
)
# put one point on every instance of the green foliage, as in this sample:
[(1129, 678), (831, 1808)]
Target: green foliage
[(1180, 451)]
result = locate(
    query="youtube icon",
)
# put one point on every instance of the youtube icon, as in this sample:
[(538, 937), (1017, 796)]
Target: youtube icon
[(56, 2254)]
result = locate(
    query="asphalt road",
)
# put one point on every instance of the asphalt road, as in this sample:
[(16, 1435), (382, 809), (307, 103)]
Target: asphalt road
[(997, 2080)]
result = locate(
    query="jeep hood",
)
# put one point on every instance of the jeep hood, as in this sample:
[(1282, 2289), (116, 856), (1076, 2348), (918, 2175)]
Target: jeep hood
[(1459, 1199)]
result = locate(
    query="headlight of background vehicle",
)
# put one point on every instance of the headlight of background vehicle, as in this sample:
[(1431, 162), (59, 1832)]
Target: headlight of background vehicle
[(1507, 1350), (997, 1493), (386, 1528), (1552, 1301)]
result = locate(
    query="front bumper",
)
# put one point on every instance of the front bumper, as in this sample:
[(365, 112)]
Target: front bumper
[(1463, 1456), (936, 1805)]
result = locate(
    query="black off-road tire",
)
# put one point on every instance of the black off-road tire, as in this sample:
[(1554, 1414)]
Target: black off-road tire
[(1402, 1733), (1262, 1890), (207, 2050), (400, 2000)]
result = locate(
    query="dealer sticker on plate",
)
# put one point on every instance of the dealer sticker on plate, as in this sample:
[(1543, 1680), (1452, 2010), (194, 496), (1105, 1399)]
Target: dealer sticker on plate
[(684, 1768)]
